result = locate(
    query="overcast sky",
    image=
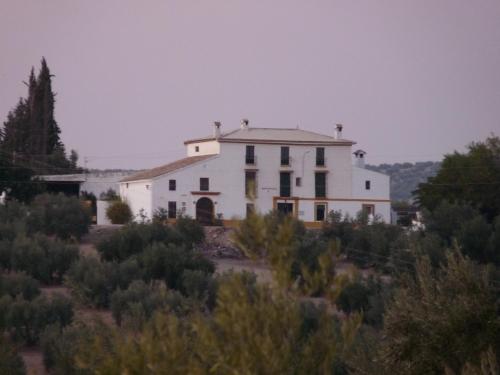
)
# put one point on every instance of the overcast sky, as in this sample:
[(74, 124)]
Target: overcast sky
[(410, 80)]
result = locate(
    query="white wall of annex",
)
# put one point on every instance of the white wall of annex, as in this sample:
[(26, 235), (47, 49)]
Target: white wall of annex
[(205, 148), (379, 184), (139, 196)]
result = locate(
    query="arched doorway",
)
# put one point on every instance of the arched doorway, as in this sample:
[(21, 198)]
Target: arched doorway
[(205, 211)]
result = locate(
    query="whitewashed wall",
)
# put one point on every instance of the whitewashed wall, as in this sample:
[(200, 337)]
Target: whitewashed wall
[(139, 195), (205, 148)]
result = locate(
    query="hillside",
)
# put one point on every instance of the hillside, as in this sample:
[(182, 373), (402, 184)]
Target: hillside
[(406, 176)]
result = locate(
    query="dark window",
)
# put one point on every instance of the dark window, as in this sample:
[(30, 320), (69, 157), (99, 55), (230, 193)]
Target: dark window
[(171, 185), (320, 156), (368, 209), (172, 210), (204, 185), (368, 185), (285, 188), (250, 209), (320, 184), (250, 155), (250, 184), (285, 208), (285, 155), (320, 212), (298, 181), (196, 148)]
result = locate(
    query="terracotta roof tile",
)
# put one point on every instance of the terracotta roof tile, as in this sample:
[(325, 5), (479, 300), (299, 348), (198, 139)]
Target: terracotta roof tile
[(167, 168)]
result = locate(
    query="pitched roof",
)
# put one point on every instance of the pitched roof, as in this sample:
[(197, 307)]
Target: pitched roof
[(167, 168), (275, 135)]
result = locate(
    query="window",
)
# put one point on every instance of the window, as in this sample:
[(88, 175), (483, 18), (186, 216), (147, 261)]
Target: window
[(285, 155), (285, 188), (368, 209), (250, 209), (171, 185), (320, 184), (320, 156), (298, 181), (368, 185), (250, 155), (320, 211), (147, 187), (172, 210), (126, 185), (197, 148), (204, 184), (250, 184), (285, 208)]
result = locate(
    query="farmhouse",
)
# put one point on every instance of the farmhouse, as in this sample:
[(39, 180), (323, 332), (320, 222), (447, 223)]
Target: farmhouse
[(227, 175)]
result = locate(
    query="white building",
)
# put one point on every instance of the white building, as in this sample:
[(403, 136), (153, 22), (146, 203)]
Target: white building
[(228, 174)]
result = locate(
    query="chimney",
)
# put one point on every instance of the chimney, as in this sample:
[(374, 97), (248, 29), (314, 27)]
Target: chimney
[(244, 124), (338, 131), (359, 158), (217, 126)]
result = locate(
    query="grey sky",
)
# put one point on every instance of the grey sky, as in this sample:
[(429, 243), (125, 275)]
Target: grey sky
[(410, 80)]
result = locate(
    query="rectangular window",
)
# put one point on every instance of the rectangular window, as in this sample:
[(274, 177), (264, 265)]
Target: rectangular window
[(172, 185), (250, 184), (368, 185), (250, 209), (320, 156), (204, 184), (298, 181), (285, 208), (285, 155), (172, 210), (250, 155), (197, 148), (320, 211), (320, 184), (285, 188)]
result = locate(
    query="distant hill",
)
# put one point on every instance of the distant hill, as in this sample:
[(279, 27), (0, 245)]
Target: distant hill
[(405, 177)]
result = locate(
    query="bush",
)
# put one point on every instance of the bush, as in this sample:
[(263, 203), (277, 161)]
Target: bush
[(134, 238), (167, 263), (19, 284), (58, 215), (119, 212), (190, 230), (27, 319), (42, 258), (11, 362), (93, 282)]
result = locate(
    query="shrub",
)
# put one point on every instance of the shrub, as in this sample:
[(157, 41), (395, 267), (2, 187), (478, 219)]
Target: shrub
[(93, 281), (27, 319), (58, 215), (19, 284), (199, 285), (42, 258), (119, 212), (11, 362), (134, 238), (167, 263), (190, 230)]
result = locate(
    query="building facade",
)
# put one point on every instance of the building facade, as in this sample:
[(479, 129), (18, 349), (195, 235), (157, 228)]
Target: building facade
[(227, 175)]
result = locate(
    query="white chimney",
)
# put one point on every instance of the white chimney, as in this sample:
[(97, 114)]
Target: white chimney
[(359, 158), (217, 126), (338, 131), (244, 124)]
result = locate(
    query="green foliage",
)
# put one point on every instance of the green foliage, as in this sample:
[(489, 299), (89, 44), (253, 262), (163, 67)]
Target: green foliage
[(59, 215), (441, 318), (134, 238), (11, 362), (42, 258), (251, 331), (470, 178), (15, 284), (26, 320), (190, 230), (168, 263), (109, 195), (119, 212), (93, 282)]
